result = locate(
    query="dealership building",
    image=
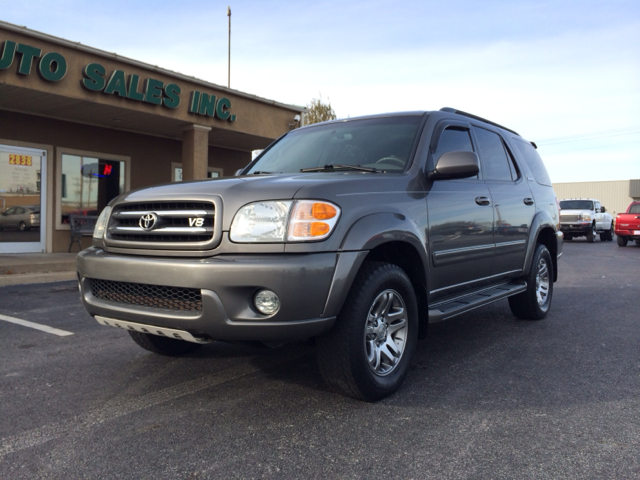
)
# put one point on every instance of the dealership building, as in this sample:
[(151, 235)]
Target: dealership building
[(79, 126)]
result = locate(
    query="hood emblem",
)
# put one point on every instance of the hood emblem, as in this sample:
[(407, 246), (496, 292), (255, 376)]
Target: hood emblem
[(148, 221)]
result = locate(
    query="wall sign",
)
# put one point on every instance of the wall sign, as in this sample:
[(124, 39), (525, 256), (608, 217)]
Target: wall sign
[(52, 67)]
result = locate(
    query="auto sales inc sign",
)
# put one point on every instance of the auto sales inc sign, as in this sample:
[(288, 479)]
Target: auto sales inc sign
[(52, 67)]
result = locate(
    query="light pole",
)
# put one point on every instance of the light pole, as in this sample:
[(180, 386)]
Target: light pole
[(229, 64)]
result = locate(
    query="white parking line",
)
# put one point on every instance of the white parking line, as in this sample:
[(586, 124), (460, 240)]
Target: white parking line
[(37, 326)]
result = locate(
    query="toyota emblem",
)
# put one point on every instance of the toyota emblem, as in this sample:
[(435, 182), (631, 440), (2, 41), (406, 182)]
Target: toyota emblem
[(148, 221)]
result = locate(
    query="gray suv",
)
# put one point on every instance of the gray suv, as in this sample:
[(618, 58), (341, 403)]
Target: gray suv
[(356, 233)]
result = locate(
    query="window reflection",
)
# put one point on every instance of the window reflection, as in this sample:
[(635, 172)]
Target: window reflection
[(88, 184)]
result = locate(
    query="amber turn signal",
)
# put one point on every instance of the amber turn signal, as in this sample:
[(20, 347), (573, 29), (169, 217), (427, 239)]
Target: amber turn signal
[(304, 221)]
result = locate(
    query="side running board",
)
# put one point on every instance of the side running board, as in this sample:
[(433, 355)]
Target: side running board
[(446, 309)]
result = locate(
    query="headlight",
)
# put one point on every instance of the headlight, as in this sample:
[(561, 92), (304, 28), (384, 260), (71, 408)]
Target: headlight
[(101, 224), (275, 221), (261, 222), (585, 216)]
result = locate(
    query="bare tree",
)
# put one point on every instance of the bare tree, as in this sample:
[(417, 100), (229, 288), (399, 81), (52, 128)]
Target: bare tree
[(319, 111)]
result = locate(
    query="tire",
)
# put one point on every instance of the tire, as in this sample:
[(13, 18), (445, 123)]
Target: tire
[(568, 237), (622, 241), (603, 236), (534, 302), (637, 242), (22, 227), (591, 236), (610, 234), (163, 345), (361, 356)]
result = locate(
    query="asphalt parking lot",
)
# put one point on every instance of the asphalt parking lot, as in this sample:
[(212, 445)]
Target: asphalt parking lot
[(488, 396)]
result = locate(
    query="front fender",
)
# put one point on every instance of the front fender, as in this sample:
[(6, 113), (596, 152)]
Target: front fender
[(373, 230), (365, 235)]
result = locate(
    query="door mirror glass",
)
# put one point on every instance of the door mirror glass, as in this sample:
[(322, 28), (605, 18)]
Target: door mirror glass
[(602, 209), (460, 164)]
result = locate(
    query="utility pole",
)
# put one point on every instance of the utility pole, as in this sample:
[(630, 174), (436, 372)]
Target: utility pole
[(229, 69)]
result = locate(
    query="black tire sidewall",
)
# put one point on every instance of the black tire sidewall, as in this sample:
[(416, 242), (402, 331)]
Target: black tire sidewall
[(396, 377), (374, 278)]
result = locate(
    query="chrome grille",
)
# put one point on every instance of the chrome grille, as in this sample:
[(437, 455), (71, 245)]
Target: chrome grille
[(569, 218), (174, 222), (156, 296)]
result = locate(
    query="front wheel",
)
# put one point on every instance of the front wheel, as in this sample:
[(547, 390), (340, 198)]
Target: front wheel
[(591, 236), (534, 302), (367, 353), (163, 345), (622, 241)]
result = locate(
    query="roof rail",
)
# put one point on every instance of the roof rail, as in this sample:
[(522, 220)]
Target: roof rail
[(475, 117)]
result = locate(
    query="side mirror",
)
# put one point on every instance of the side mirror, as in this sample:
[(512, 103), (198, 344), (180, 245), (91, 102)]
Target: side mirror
[(602, 209), (460, 164)]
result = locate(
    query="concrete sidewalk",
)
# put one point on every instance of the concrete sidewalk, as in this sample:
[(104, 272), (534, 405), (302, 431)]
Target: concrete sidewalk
[(21, 268)]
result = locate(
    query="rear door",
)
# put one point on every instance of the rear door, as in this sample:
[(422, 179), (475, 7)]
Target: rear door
[(513, 202)]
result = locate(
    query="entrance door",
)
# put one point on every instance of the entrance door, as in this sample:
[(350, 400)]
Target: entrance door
[(23, 180)]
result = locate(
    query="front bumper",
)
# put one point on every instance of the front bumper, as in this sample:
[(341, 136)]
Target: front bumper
[(227, 284), (575, 228)]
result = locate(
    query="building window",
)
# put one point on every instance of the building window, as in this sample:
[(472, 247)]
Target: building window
[(87, 183), (176, 172)]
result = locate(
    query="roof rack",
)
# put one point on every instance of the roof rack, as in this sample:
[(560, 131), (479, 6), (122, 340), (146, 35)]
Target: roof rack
[(475, 117)]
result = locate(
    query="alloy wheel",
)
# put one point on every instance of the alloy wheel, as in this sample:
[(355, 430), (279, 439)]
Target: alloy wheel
[(542, 282), (386, 331)]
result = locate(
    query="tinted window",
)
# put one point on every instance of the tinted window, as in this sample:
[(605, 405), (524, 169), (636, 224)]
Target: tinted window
[(493, 156), (576, 205), (453, 140), (635, 208), (534, 161)]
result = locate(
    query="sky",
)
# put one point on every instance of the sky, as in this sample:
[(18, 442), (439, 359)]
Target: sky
[(564, 74)]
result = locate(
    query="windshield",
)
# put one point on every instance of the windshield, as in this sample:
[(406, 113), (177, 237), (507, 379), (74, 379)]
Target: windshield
[(576, 205), (379, 143)]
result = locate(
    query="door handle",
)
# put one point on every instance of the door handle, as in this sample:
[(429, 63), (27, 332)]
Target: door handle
[(528, 201), (482, 201)]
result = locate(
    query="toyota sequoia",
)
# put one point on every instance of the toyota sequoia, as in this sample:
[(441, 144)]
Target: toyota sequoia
[(355, 233)]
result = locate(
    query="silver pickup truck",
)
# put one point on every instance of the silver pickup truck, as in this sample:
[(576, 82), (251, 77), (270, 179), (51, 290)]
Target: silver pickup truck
[(356, 233)]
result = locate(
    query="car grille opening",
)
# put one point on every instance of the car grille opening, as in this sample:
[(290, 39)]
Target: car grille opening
[(174, 222), (156, 296)]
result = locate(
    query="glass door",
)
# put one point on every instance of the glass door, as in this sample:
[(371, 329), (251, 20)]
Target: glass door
[(22, 199)]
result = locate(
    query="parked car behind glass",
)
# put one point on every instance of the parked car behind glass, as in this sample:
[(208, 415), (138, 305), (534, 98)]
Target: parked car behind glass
[(20, 217)]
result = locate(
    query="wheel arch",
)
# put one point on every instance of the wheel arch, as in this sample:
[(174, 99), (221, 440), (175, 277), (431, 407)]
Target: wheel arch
[(543, 231), (385, 237)]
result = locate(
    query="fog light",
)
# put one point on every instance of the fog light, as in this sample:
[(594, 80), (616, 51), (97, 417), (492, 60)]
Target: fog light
[(266, 302)]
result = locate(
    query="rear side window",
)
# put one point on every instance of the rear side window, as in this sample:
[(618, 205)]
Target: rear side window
[(495, 162), (635, 208), (534, 161)]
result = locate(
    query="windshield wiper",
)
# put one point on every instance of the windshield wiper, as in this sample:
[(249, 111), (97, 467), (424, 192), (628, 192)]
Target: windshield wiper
[(331, 168), (263, 173)]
